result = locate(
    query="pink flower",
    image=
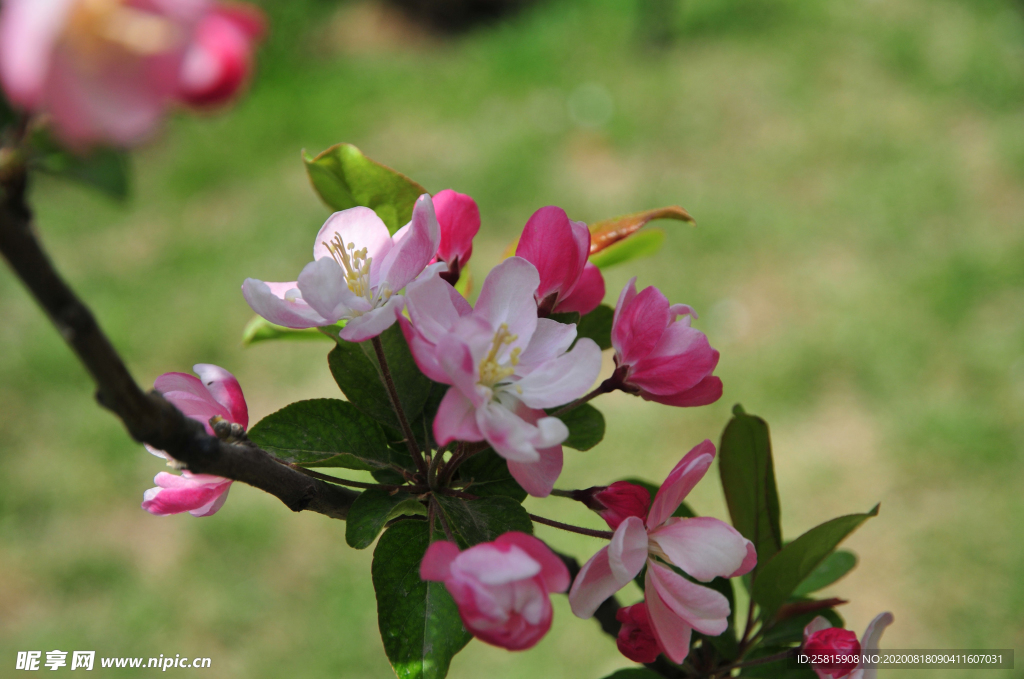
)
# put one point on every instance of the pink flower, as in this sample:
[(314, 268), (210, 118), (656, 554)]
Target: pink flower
[(619, 501), (106, 71), (636, 637), (215, 393), (659, 356), (703, 547), (459, 219), (219, 60), (821, 637), (357, 273), (504, 364), (559, 249), (501, 588)]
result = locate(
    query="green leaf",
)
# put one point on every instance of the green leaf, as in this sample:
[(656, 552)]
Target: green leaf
[(483, 520), (372, 510), (419, 622), (777, 579), (684, 510), (786, 668), (597, 325), (791, 630), (635, 673), (355, 369), (260, 329), (835, 566), (323, 432), (748, 479), (643, 244), (104, 169), (725, 643), (586, 426), (490, 477), (345, 178)]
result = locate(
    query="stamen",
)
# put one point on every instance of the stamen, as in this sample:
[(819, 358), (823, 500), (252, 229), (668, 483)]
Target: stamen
[(354, 263), (492, 372)]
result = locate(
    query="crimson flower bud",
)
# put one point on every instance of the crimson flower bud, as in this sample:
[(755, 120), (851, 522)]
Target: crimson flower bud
[(834, 641), (636, 638), (619, 501)]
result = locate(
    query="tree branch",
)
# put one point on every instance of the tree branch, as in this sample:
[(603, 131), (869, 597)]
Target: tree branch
[(147, 417)]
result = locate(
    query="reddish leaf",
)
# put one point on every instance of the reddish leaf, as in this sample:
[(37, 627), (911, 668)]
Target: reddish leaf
[(610, 231)]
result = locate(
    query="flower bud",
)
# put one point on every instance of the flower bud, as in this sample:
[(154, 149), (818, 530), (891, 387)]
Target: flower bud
[(619, 501), (834, 641), (636, 638)]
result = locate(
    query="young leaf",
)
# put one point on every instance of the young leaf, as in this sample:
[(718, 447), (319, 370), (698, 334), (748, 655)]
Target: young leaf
[(725, 643), (490, 477), (748, 479), (345, 178), (643, 244), (835, 566), (374, 508), (260, 329), (419, 622), (586, 427), (104, 169), (777, 579), (323, 432), (597, 325), (483, 520), (355, 369), (610, 231), (791, 630)]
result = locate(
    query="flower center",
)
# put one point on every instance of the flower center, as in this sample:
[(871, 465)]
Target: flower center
[(492, 370), (96, 26), (356, 265)]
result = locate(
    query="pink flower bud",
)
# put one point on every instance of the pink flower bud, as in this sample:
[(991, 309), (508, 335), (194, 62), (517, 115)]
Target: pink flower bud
[(636, 638), (502, 588), (832, 642), (219, 60), (622, 500), (459, 218)]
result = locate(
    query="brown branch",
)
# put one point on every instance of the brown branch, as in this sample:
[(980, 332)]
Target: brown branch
[(147, 417)]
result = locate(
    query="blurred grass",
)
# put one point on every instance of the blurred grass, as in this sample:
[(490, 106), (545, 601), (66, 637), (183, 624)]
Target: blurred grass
[(857, 172)]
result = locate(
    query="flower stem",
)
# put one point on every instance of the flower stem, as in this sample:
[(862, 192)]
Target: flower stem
[(606, 534), (603, 388), (389, 383), (444, 521)]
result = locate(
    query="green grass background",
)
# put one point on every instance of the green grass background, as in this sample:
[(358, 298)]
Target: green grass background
[(857, 171)]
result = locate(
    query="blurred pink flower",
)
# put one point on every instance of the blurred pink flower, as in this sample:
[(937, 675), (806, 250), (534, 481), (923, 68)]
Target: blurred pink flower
[(459, 219), (357, 274), (636, 638), (106, 71), (703, 547), (821, 637), (502, 588), (504, 364), (559, 249), (658, 354), (215, 392)]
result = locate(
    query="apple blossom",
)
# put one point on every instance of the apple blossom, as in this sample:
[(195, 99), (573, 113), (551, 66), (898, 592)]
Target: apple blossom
[(459, 219), (703, 547), (821, 637), (215, 393), (357, 274), (636, 638), (658, 355), (502, 588), (504, 364), (106, 71), (559, 249)]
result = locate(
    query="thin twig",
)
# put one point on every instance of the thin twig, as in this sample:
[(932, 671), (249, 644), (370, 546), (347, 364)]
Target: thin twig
[(396, 404), (147, 417), (606, 534), (605, 387), (444, 521)]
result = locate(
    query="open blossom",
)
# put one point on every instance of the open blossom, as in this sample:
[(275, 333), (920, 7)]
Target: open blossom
[(459, 219), (106, 71), (703, 547), (357, 274), (214, 393), (658, 354), (821, 638), (636, 637), (502, 588), (504, 364), (559, 249)]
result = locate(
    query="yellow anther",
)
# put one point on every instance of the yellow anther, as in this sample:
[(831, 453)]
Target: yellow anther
[(491, 371), (354, 263)]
